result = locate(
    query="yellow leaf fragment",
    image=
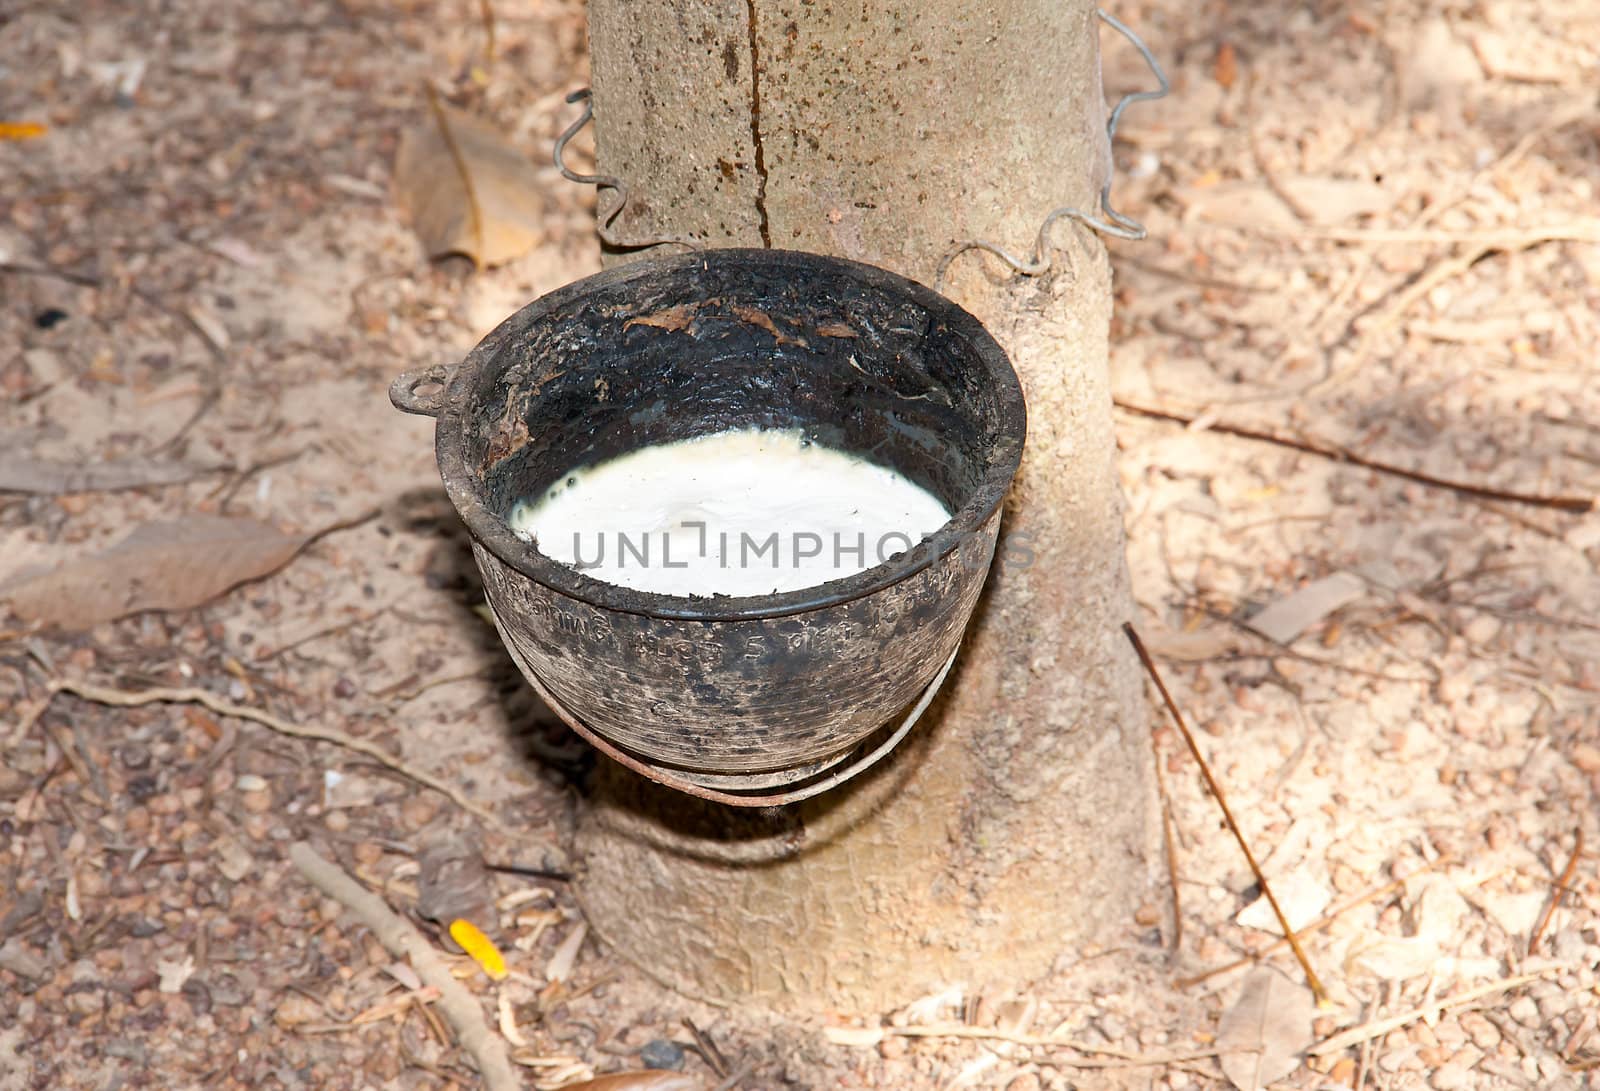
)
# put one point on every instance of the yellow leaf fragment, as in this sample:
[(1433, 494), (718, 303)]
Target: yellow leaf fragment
[(480, 947), (21, 130)]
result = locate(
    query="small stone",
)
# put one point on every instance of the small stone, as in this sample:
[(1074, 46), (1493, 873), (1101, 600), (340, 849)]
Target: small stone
[(1028, 1081), (165, 803), (198, 996), (86, 1002), (1454, 687), (295, 1010), (256, 802), (1343, 1071), (661, 1053), (1525, 1011), (1451, 1077), (337, 821), (418, 810), (892, 1047), (367, 853), (344, 689), (1586, 756), (134, 756), (1482, 629), (1146, 916), (234, 861), (1484, 1034), (250, 782)]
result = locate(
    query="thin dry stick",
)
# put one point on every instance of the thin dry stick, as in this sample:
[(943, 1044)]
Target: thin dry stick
[(460, 161), (117, 698), (1377, 1029), (1171, 844), (1578, 505), (1315, 926), (1560, 892), (486, 12), (1118, 1058), (1216, 791), (404, 941)]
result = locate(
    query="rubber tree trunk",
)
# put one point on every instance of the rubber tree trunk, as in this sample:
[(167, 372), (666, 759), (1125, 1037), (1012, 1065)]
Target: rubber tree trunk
[(1012, 826)]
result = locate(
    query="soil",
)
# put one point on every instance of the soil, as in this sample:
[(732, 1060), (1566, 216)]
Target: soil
[(1371, 228)]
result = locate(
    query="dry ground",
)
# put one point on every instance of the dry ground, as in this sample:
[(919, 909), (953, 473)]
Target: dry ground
[(1372, 226)]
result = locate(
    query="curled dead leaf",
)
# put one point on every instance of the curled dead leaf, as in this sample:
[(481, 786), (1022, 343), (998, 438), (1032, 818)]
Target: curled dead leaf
[(1261, 1038), (467, 189), (173, 565), (640, 1081)]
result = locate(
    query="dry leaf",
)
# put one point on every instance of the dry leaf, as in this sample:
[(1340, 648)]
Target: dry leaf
[(174, 565), (453, 884), (174, 974), (762, 320), (21, 130), (1530, 58), (58, 477), (639, 1081), (566, 955), (1303, 899), (1261, 1037), (470, 938), (467, 189), (1284, 620), (20, 960), (403, 973), (1225, 69), (671, 319)]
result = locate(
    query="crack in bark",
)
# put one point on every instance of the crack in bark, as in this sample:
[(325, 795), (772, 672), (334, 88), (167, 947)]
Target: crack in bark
[(755, 128)]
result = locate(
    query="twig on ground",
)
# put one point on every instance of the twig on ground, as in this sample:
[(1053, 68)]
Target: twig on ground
[(486, 15), (1170, 843), (404, 941), (331, 630), (1577, 505), (1312, 980), (1315, 926), (729, 1083), (213, 391), (1264, 168), (117, 698), (707, 1049), (1378, 1028), (1116, 1058), (1560, 892)]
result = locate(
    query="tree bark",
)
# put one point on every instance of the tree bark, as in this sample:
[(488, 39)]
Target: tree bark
[(1013, 827)]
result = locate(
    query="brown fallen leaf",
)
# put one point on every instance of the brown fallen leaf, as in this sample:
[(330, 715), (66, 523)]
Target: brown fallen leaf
[(58, 477), (1225, 68), (1285, 619), (639, 1081), (467, 189), (1261, 1037), (174, 565)]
